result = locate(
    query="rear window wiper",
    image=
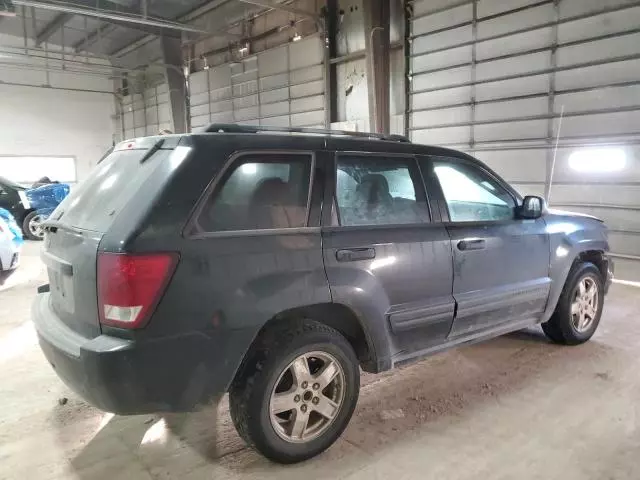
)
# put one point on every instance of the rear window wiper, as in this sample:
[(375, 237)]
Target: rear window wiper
[(154, 148)]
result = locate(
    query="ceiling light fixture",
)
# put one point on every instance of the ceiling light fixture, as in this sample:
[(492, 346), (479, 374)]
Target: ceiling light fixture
[(297, 37), (598, 160)]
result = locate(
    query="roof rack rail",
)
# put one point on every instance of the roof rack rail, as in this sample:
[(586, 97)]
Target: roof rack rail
[(233, 128)]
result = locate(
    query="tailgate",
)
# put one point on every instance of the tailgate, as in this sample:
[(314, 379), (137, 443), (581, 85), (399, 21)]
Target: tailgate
[(70, 257)]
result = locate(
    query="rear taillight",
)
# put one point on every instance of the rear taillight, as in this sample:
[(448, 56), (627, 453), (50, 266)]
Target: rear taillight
[(130, 286)]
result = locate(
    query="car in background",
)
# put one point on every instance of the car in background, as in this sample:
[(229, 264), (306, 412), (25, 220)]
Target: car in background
[(10, 242), (30, 207)]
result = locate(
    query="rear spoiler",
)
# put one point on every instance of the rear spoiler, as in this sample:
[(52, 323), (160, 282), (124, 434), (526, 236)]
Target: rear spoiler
[(153, 144)]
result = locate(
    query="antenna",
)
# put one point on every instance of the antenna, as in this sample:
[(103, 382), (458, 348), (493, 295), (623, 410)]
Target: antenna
[(555, 154)]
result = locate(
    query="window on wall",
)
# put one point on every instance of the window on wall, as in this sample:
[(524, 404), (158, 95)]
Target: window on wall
[(29, 169), (379, 191), (471, 194), (260, 192)]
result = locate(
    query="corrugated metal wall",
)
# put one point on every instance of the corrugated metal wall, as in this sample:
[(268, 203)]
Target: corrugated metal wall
[(283, 86), (146, 113), (493, 76)]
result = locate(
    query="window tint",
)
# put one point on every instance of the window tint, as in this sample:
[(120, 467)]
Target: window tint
[(379, 191), (260, 192), (472, 195)]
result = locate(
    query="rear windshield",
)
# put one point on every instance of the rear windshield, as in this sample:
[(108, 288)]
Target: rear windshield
[(96, 202)]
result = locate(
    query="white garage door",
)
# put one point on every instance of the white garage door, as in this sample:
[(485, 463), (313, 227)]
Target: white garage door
[(493, 76), (147, 113), (283, 86)]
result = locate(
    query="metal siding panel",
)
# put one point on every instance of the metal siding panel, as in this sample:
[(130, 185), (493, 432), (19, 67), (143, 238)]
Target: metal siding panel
[(492, 7), (520, 166), (441, 79), (513, 66), (447, 58), (245, 102), (441, 135), (162, 88), (138, 118), (528, 189), (528, 18), (140, 132), (572, 8), (616, 219), (627, 269), (244, 87), (308, 103), (444, 39), (511, 130), (152, 116), (199, 110), (199, 82), (199, 99), (512, 109), (599, 50), (129, 134), (601, 124), (625, 71), (305, 53), (247, 113), (200, 121), (274, 81), (623, 195), (163, 97), (307, 119), (599, 25), (273, 109), (520, 42), (222, 106), (276, 121), (625, 243), (220, 94), (509, 88), (439, 98), (606, 97), (311, 88), (308, 74), (222, 117), (275, 95), (423, 7), (273, 61), (443, 19), (441, 117), (219, 77)]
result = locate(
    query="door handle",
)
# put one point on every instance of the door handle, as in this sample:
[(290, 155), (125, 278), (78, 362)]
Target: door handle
[(353, 254), (471, 244)]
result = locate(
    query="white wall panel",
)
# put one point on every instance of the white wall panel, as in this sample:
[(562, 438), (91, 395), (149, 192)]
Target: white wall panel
[(439, 40), (511, 130), (442, 116), (597, 99), (451, 96), (440, 79), (528, 18), (512, 109), (593, 26), (531, 63), (521, 42), (443, 19), (513, 87), (625, 71), (446, 58)]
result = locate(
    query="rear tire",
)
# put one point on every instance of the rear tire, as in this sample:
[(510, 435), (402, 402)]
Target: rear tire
[(275, 402), (31, 226), (577, 314)]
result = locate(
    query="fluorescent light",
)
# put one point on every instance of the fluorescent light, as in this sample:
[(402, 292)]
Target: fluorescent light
[(297, 37), (249, 168), (598, 160)]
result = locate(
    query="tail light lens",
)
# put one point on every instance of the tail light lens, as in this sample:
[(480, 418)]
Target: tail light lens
[(130, 286)]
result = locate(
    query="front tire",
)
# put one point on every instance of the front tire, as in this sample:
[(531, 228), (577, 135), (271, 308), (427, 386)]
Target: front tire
[(32, 226), (577, 314), (297, 392)]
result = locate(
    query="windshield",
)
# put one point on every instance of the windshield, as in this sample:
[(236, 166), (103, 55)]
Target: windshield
[(8, 183)]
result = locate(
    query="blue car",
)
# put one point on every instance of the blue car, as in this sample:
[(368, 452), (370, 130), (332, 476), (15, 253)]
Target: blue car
[(43, 201)]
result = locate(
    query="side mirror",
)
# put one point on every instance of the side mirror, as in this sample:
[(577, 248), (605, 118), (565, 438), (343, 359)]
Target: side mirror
[(532, 207)]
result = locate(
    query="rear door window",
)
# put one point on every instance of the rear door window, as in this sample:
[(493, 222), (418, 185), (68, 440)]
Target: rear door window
[(379, 191), (260, 192), (96, 202)]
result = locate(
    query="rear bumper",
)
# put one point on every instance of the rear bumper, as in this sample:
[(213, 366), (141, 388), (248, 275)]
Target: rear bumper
[(132, 377)]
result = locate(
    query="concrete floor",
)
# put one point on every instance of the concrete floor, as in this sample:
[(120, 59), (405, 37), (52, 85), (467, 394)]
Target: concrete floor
[(517, 407)]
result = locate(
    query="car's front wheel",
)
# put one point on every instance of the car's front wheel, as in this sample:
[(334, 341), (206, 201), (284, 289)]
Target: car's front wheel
[(579, 308), (297, 393), (32, 226)]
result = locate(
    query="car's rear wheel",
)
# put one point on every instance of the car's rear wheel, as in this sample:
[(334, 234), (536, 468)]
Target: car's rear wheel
[(32, 226), (579, 308), (297, 393)]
